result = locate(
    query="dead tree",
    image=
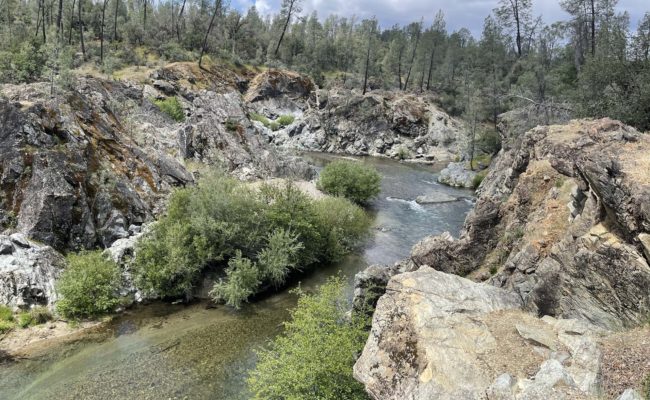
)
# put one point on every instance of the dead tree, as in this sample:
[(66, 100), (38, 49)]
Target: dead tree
[(290, 7), (217, 6)]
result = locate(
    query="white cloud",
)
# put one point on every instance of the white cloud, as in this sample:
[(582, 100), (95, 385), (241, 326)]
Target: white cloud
[(459, 13)]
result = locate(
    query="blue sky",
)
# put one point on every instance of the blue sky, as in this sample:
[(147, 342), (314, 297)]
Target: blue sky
[(459, 13)]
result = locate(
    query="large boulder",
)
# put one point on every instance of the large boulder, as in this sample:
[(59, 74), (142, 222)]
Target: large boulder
[(28, 272), (440, 336)]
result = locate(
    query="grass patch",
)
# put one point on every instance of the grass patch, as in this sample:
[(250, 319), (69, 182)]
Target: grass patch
[(172, 107), (6, 314), (478, 179), (481, 161), (6, 326), (403, 153), (259, 118), (286, 120)]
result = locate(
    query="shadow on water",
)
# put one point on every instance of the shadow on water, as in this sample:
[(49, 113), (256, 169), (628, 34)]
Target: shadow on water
[(192, 351)]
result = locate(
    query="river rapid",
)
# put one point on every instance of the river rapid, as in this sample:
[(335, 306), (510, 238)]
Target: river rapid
[(165, 351)]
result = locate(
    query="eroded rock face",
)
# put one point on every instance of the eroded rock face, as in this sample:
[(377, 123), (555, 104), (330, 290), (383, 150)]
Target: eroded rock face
[(455, 174), (561, 220), (77, 169), (397, 125), (28, 272), (440, 336)]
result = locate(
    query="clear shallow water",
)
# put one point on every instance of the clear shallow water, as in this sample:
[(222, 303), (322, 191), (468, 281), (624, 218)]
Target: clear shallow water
[(163, 351)]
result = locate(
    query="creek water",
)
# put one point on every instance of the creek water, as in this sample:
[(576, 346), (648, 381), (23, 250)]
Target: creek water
[(164, 351)]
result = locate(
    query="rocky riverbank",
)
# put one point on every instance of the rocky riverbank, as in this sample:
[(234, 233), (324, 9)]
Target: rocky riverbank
[(558, 242)]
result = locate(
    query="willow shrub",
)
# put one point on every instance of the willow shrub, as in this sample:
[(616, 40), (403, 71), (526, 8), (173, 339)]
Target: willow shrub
[(257, 237), (352, 180), (88, 286), (313, 358)]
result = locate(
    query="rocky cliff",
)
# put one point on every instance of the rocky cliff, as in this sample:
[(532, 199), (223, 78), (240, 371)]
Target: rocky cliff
[(560, 227), (393, 124)]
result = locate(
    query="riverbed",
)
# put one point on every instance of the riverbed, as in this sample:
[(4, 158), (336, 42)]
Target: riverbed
[(165, 351)]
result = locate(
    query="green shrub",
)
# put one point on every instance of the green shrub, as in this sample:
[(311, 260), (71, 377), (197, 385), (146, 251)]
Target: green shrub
[(274, 126), (403, 153), (222, 223), (6, 326), (351, 180), (231, 125), (25, 319), (88, 285), (313, 358), (478, 178), (172, 107), (286, 120), (260, 118), (6, 314), (39, 315)]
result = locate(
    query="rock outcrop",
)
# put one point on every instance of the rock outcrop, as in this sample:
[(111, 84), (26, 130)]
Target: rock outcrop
[(398, 125), (561, 220), (455, 174), (77, 169), (28, 272), (440, 336)]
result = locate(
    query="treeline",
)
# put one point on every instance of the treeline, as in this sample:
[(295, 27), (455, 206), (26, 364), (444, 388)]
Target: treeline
[(592, 64)]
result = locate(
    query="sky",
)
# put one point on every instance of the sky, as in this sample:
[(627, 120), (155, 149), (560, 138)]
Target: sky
[(458, 13)]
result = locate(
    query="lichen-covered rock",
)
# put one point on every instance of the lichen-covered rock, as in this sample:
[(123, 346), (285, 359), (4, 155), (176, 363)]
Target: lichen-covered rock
[(28, 272), (440, 336), (560, 220)]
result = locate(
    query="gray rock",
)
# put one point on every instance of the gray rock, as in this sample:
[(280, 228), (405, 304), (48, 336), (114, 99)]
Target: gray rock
[(436, 197), (457, 175), (540, 337), (502, 388), (28, 274), (425, 340), (630, 394), (6, 246)]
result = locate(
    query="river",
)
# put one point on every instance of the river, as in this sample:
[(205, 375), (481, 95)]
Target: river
[(164, 351)]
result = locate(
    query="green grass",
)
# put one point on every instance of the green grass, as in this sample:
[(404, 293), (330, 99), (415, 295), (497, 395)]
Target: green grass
[(6, 326), (286, 120), (478, 179), (172, 107), (6, 314), (259, 118)]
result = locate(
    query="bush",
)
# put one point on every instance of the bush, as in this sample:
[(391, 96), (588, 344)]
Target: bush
[(260, 118), (88, 285), (258, 236), (6, 326), (351, 180), (6, 314), (314, 357), (172, 107), (478, 178), (286, 120)]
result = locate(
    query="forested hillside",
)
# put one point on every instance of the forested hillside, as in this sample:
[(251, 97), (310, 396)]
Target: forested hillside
[(592, 64)]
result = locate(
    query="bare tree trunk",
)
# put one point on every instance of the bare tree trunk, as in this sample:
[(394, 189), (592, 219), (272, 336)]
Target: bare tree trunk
[(178, 22), (38, 18), (43, 25), (59, 19), (399, 68), (515, 10), (217, 5), (593, 28), (284, 30), (117, 8), (81, 31), (101, 37), (365, 74), (144, 20), (433, 53), (71, 22), (415, 49)]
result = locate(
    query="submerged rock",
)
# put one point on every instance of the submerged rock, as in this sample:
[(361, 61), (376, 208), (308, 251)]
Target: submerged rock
[(436, 197)]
